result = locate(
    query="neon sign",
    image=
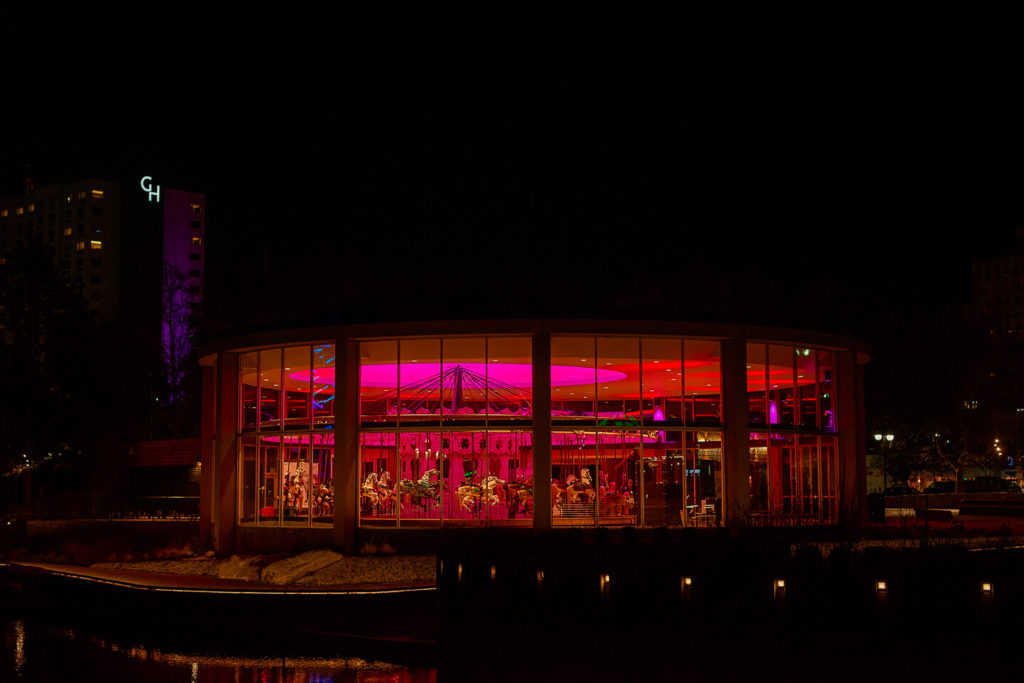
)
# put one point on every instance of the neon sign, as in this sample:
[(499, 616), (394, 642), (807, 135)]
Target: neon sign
[(147, 186)]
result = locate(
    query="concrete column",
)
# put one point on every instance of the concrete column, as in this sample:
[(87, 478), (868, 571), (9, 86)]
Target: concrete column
[(208, 448), (542, 432), (346, 444), (852, 467), (225, 461), (736, 434)]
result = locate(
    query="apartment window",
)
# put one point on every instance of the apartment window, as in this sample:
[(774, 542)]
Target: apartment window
[(97, 194), (3, 213), (193, 257), (31, 208), (97, 211), (95, 279), (195, 273), (67, 231), (197, 241), (197, 224), (3, 261), (81, 195), (95, 244), (197, 210), (20, 211), (68, 199), (79, 246)]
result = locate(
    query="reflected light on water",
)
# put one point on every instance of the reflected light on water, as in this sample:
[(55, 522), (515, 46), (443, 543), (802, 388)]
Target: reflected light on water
[(268, 668), (19, 645)]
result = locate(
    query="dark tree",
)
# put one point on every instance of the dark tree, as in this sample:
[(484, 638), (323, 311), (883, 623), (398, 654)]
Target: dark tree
[(48, 400)]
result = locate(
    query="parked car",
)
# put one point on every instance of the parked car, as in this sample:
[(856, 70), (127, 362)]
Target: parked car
[(900, 490), (945, 486), (991, 485)]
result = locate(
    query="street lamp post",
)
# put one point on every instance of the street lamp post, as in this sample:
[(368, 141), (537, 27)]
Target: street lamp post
[(887, 439)]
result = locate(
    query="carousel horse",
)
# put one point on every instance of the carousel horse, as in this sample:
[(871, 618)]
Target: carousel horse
[(422, 490), (579, 490), (520, 492), (471, 494), (376, 491)]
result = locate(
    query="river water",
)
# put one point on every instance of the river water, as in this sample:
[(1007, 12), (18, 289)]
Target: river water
[(49, 647)]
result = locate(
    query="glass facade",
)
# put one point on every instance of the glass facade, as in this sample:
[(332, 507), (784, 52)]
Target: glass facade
[(792, 462), (630, 418), (286, 441), (446, 433)]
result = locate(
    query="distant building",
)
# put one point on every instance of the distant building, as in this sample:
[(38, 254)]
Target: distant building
[(81, 221), (992, 353), (112, 240), (137, 248)]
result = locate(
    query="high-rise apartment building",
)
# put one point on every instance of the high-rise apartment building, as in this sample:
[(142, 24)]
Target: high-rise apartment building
[(126, 244), (81, 222)]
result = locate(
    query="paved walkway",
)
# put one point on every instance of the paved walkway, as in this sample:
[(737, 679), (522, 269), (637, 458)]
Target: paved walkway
[(163, 581)]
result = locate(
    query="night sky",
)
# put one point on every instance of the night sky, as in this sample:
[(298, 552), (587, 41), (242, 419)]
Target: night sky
[(845, 190)]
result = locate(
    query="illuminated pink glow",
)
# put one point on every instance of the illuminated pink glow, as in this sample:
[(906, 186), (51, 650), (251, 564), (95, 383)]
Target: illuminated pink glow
[(519, 375)]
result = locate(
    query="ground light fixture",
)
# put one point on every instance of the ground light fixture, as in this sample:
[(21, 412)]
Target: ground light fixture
[(881, 586), (986, 588)]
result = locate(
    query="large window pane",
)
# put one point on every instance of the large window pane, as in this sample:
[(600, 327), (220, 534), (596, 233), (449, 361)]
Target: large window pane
[(826, 391), (509, 379), (781, 402), (296, 479), (378, 382), (703, 375), (322, 480), (573, 375), (617, 475), (270, 388), (510, 459), (756, 384), (807, 387), (704, 478), (829, 480), (323, 391), (760, 498), (249, 379), (573, 462), (419, 377), (269, 480), (296, 387), (378, 458), (662, 375), (472, 490), (618, 399), (247, 479), (423, 461), (464, 380)]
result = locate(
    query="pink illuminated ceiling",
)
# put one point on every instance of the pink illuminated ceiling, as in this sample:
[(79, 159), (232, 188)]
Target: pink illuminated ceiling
[(571, 378), (513, 374)]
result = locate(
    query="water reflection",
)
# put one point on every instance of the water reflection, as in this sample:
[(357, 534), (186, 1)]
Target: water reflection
[(44, 650)]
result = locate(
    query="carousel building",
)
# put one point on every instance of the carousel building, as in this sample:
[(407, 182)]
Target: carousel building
[(335, 435)]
